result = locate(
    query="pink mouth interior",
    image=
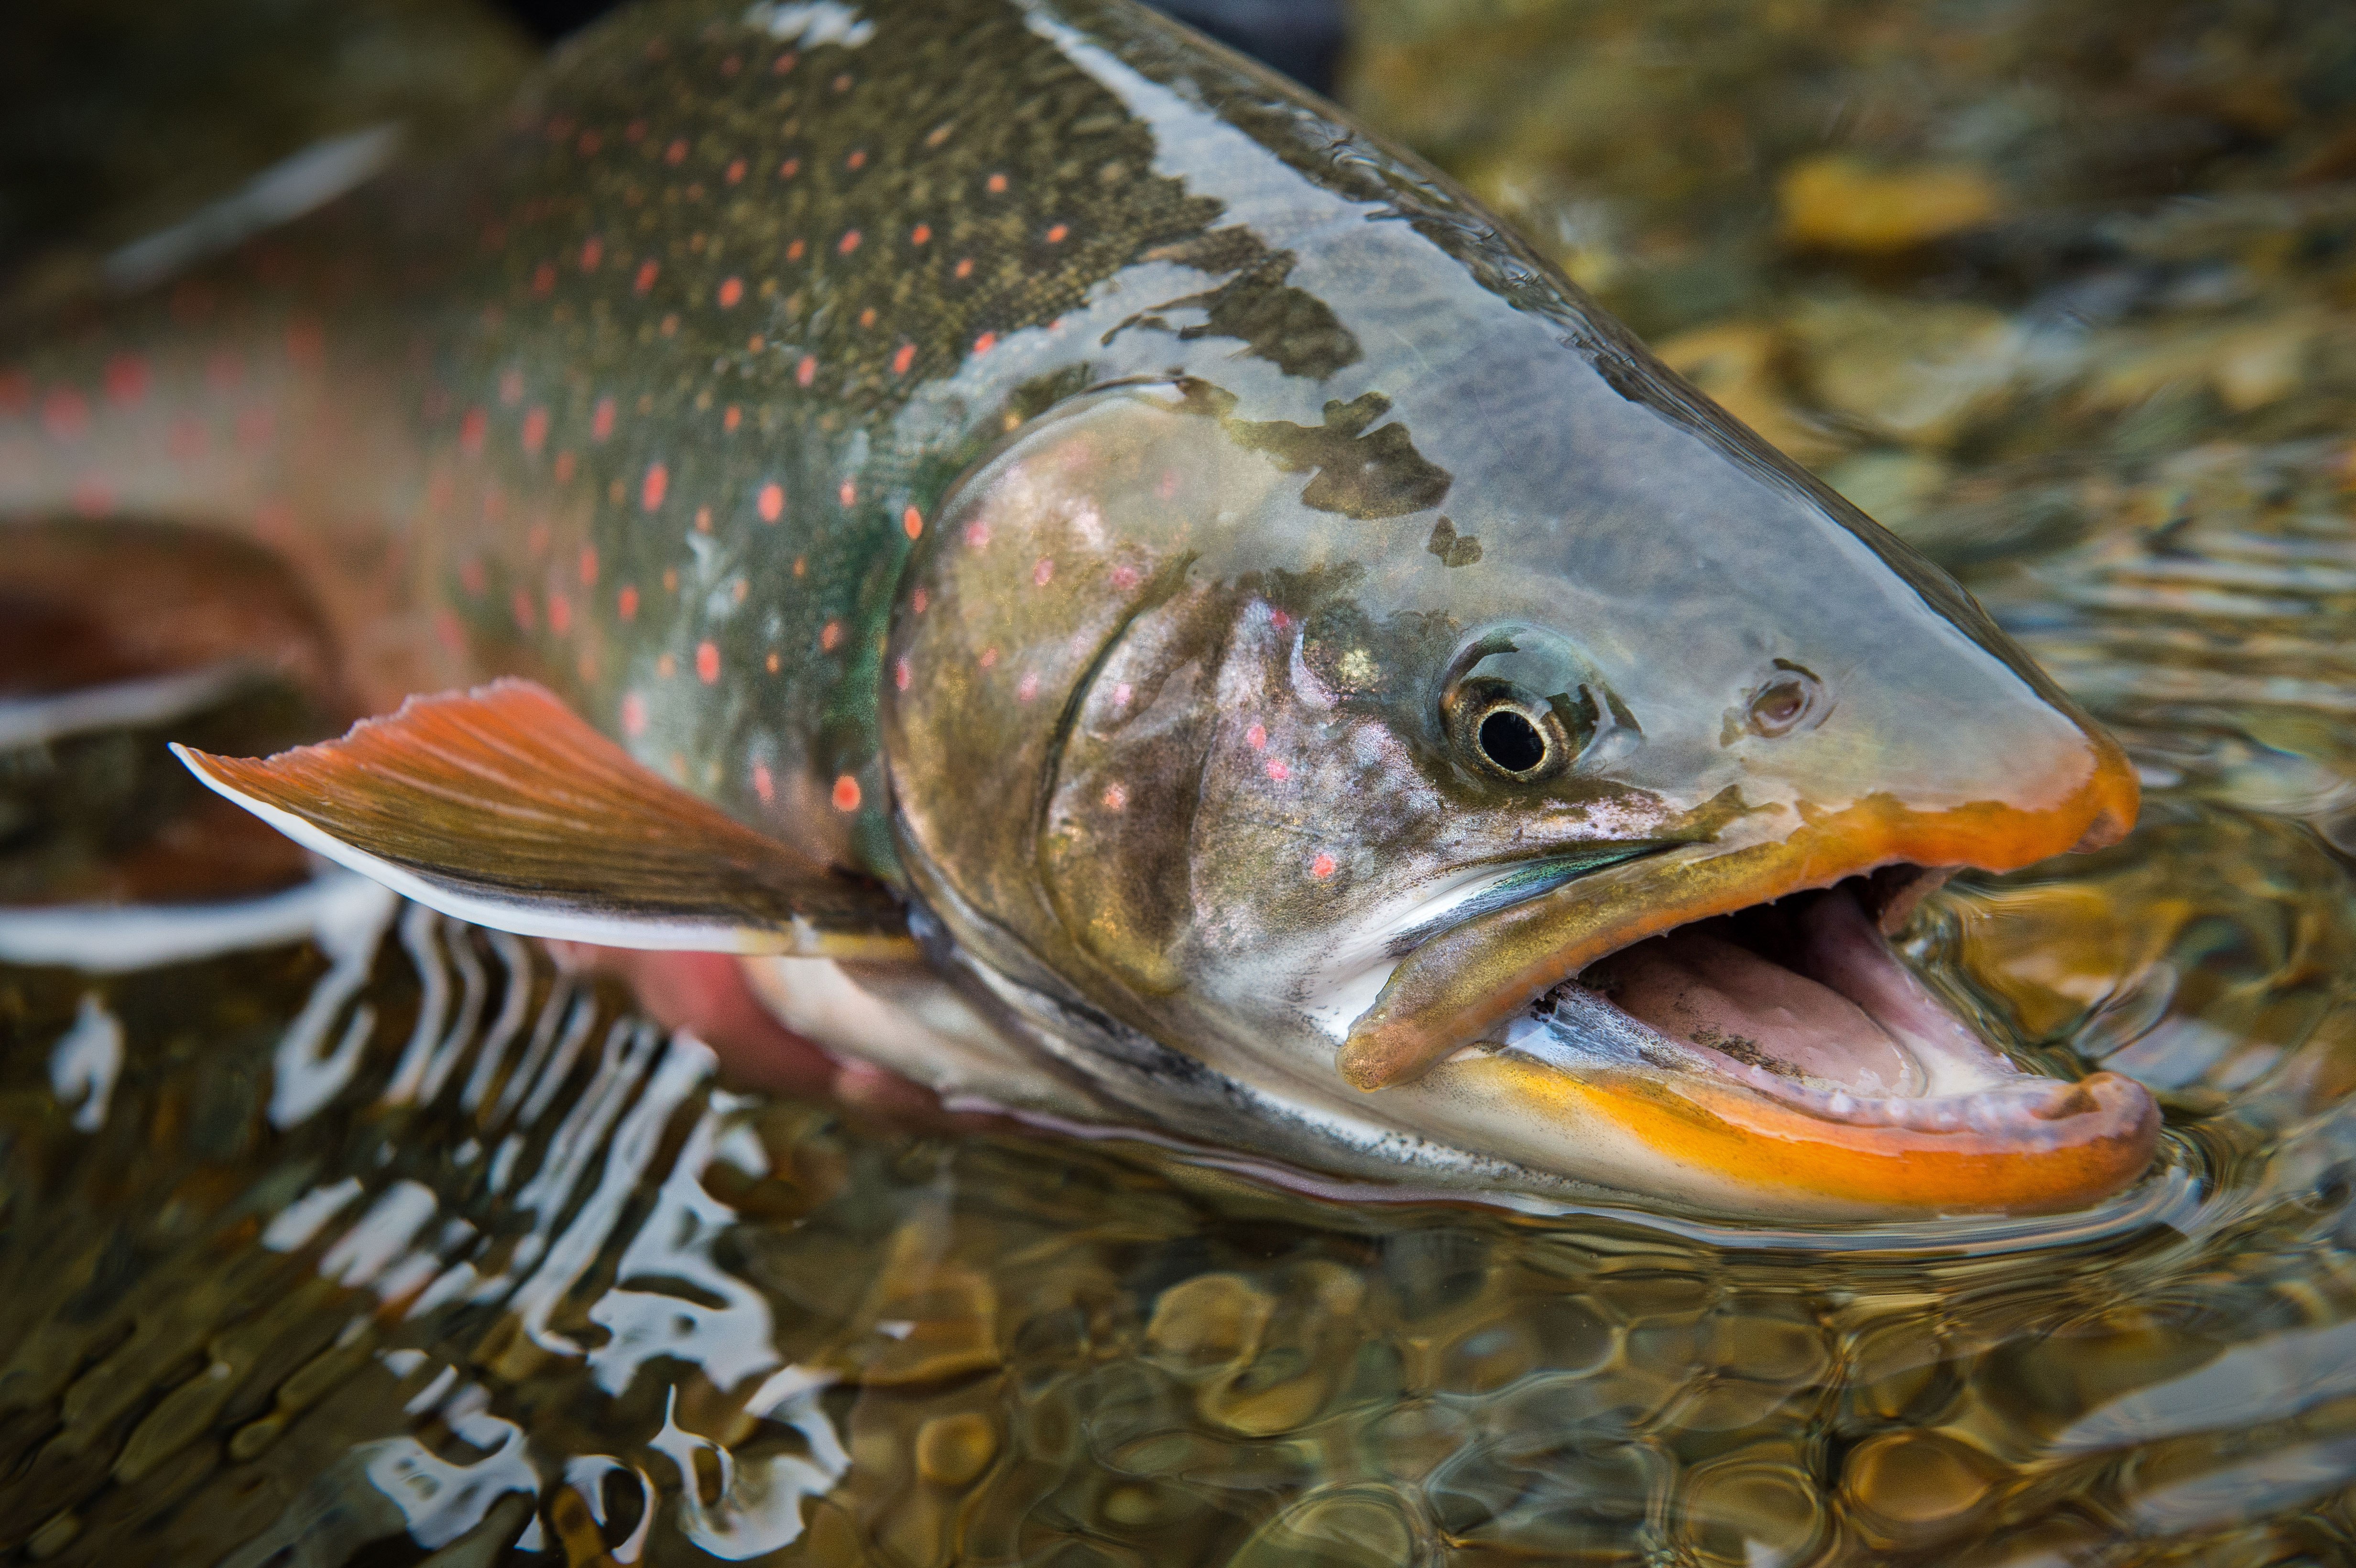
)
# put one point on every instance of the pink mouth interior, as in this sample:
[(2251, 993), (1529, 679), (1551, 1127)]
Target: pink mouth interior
[(1805, 998)]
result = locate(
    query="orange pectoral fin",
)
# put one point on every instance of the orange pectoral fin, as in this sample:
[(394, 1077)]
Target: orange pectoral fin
[(500, 806)]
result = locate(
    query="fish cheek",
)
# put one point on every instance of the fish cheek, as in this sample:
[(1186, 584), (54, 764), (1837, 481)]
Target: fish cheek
[(1116, 840)]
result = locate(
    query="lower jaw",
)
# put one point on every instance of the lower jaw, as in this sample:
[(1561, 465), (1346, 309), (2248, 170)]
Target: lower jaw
[(1721, 1145)]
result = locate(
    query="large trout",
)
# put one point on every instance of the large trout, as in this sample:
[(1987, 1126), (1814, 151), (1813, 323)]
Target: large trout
[(1119, 594)]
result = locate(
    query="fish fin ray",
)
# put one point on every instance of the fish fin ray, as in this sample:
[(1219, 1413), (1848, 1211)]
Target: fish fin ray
[(446, 801)]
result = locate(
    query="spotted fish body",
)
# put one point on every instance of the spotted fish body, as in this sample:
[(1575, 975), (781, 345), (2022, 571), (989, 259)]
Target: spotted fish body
[(1041, 467)]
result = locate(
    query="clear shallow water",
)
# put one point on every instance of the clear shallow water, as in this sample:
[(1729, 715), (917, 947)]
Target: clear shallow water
[(334, 1232)]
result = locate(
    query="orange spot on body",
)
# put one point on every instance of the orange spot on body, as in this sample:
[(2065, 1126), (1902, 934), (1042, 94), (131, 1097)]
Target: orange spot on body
[(543, 280), (772, 503), (901, 674), (127, 380), (806, 372), (565, 468), (858, 159), (789, 169), (1028, 686), (848, 242), (731, 418), (977, 535), (735, 170), (996, 185), (626, 604), (985, 342), (920, 234), (704, 519), (535, 431), (730, 292), (763, 785), (601, 419), (1257, 737), (593, 252), (676, 152), (560, 613), (963, 268), (1057, 234), (849, 492), (647, 273), (846, 794), (1124, 578), (867, 316), (657, 482), (771, 662), (1278, 771), (912, 522), (634, 714), (526, 615), (1115, 797), (988, 659), (1322, 866), (707, 663), (1044, 573), (904, 358), (588, 566)]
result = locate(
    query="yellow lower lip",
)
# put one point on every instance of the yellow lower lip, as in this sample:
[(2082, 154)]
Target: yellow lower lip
[(1458, 986), (1787, 1157)]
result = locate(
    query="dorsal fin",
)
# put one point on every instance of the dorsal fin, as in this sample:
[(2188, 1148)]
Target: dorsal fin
[(501, 807)]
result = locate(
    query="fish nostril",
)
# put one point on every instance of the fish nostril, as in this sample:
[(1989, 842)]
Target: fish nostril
[(1785, 703)]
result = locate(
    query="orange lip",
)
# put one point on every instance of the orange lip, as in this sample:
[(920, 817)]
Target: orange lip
[(1458, 986)]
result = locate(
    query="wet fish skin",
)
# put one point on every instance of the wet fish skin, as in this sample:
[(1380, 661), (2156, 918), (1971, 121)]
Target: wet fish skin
[(663, 400)]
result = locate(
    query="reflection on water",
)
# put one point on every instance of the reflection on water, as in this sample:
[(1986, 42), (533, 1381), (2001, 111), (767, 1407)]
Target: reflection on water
[(338, 1232), (377, 1229)]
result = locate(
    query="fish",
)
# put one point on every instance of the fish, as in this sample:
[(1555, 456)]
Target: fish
[(1115, 594)]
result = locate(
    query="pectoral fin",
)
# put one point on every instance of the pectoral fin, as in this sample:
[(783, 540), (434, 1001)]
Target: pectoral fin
[(500, 806)]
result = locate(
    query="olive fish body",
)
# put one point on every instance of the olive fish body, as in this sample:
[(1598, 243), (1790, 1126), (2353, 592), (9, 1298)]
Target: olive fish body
[(1147, 602)]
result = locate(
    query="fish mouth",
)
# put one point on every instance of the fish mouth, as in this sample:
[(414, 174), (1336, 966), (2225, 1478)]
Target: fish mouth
[(1742, 1017)]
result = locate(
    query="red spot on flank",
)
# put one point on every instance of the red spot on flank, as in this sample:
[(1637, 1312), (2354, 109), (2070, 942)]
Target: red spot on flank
[(563, 468), (989, 658), (676, 152), (704, 519), (996, 185), (127, 380), (789, 169), (1028, 686), (707, 663), (735, 170), (1278, 771), (912, 522), (730, 292), (1282, 622), (985, 342), (1124, 578), (634, 714), (1120, 693), (1116, 796), (1257, 737), (593, 252), (900, 675), (763, 785), (1044, 573), (647, 273), (601, 419), (867, 316), (658, 482), (470, 431), (793, 251), (918, 600), (904, 358), (560, 613), (965, 267), (806, 372), (535, 431), (846, 794), (849, 242), (850, 492), (588, 566), (921, 234), (626, 604), (858, 159), (731, 418), (526, 615), (65, 415), (785, 62), (1322, 866), (770, 664), (1055, 235), (977, 535), (843, 82), (830, 636), (772, 503), (543, 280)]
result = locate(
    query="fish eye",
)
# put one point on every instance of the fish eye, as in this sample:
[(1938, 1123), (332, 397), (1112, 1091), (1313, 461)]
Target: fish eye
[(1790, 699), (1511, 741)]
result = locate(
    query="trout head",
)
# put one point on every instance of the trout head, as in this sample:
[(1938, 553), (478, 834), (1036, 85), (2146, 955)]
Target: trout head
[(1532, 804)]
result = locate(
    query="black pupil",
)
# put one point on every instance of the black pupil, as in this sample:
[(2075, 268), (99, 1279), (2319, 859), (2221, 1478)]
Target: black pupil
[(1511, 741)]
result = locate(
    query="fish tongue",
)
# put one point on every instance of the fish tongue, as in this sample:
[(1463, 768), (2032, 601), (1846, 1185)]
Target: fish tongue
[(1694, 984), (1842, 948)]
